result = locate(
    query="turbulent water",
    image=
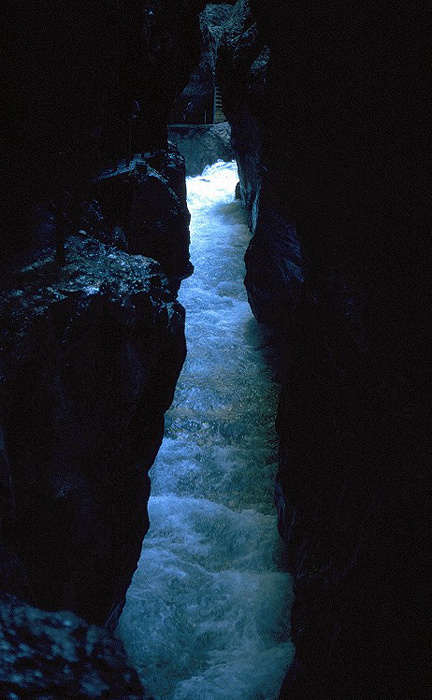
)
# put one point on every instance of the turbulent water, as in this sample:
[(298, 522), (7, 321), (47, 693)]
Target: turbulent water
[(207, 612)]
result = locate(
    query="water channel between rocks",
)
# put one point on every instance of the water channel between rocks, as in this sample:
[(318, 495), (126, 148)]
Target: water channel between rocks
[(207, 614)]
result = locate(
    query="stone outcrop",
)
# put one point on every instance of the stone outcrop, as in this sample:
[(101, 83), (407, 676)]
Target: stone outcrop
[(57, 656), (90, 357), (340, 118), (274, 267), (141, 208)]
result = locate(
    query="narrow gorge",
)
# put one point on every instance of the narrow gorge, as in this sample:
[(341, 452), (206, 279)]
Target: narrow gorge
[(209, 606), (212, 490)]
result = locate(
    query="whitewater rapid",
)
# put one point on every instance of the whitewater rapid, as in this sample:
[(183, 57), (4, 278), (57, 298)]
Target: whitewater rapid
[(207, 613)]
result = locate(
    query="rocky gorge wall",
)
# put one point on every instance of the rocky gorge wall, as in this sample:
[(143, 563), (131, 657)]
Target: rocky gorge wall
[(58, 655), (90, 357), (94, 244), (328, 113)]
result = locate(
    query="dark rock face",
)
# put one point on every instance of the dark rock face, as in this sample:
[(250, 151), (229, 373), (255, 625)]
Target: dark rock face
[(274, 274), (344, 153), (202, 145), (171, 50), (90, 357), (195, 104), (159, 225), (58, 656), (142, 209), (241, 69), (84, 86), (90, 353)]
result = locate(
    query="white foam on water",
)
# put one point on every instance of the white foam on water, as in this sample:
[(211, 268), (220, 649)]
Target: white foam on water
[(207, 614)]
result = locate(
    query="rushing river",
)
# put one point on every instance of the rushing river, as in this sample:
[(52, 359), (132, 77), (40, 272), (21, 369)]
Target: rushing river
[(208, 609)]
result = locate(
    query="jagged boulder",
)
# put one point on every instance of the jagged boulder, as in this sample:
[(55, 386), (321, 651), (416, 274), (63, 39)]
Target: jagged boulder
[(90, 355), (54, 656), (142, 209), (159, 225)]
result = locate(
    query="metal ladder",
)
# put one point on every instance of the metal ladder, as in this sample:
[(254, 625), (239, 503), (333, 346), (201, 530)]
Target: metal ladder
[(218, 115)]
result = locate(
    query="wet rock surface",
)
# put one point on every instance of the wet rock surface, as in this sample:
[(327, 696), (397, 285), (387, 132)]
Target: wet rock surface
[(274, 267), (343, 159), (202, 145), (50, 656), (90, 357), (141, 208)]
